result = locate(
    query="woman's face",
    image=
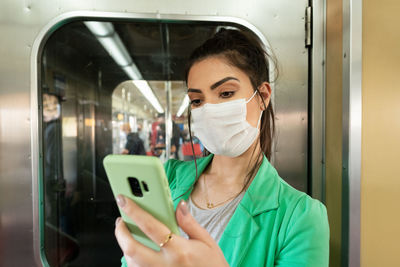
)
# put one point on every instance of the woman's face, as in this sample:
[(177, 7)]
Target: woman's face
[(214, 81)]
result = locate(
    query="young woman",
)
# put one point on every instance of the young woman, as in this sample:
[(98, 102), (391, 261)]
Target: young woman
[(238, 212)]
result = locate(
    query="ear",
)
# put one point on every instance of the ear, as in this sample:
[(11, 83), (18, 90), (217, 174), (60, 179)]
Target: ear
[(265, 92)]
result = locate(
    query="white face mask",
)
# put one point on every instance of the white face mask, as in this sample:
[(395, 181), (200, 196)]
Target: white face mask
[(223, 128)]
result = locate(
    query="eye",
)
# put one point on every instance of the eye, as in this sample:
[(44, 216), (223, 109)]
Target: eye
[(227, 94), (195, 102)]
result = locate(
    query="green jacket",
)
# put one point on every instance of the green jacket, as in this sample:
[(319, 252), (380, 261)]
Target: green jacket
[(274, 224)]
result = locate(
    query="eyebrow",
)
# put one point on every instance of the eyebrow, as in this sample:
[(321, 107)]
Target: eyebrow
[(194, 90), (214, 85)]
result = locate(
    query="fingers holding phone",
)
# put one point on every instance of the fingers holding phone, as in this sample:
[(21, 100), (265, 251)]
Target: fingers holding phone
[(153, 228), (142, 180), (133, 251), (148, 232), (200, 250)]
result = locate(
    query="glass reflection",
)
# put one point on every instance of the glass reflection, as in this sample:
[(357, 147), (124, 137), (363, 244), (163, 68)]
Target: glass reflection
[(138, 129)]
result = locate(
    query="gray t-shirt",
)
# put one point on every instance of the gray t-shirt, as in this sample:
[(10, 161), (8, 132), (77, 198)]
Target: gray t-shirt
[(214, 220)]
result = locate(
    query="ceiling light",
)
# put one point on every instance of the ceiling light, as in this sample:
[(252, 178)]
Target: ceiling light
[(133, 72), (184, 105), (145, 89), (116, 49), (100, 29), (105, 33)]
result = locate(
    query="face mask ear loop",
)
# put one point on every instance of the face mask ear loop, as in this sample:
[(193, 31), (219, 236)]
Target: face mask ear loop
[(259, 119), (255, 92)]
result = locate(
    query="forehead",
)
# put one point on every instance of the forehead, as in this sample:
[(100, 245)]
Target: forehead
[(207, 71)]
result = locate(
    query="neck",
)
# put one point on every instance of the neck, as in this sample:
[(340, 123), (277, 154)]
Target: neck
[(227, 170)]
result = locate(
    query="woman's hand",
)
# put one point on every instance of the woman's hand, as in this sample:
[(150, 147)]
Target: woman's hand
[(199, 250)]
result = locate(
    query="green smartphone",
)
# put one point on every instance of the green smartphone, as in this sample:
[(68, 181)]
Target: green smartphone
[(143, 179)]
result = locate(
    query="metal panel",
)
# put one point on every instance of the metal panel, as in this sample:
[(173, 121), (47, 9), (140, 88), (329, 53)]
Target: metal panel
[(281, 21), (16, 213), (317, 105), (291, 93), (352, 112)]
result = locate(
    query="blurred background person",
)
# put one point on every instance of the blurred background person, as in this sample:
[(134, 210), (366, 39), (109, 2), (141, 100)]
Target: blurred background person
[(134, 145)]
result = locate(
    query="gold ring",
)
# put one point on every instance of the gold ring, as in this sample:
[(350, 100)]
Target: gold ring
[(167, 239)]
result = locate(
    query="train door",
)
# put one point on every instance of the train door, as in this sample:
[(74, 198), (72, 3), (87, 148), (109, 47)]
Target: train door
[(118, 87)]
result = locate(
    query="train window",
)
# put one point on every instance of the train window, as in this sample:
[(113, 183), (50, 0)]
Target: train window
[(107, 87), (139, 128)]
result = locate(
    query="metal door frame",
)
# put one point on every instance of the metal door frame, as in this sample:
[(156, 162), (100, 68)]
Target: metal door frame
[(351, 132), (317, 99)]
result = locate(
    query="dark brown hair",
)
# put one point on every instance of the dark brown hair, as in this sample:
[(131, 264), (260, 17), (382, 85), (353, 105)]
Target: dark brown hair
[(245, 52)]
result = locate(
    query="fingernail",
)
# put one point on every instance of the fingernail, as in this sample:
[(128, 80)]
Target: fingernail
[(183, 207), (117, 221), (121, 201)]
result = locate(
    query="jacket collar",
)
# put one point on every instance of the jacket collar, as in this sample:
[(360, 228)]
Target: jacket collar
[(186, 177), (261, 196), (263, 192)]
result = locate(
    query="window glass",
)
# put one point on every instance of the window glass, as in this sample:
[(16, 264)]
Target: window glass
[(107, 87), (139, 129)]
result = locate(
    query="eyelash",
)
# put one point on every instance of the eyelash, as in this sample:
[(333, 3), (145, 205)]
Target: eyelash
[(231, 93), (192, 103), (197, 102)]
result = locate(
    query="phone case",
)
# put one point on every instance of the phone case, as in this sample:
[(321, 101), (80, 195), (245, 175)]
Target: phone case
[(157, 200)]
